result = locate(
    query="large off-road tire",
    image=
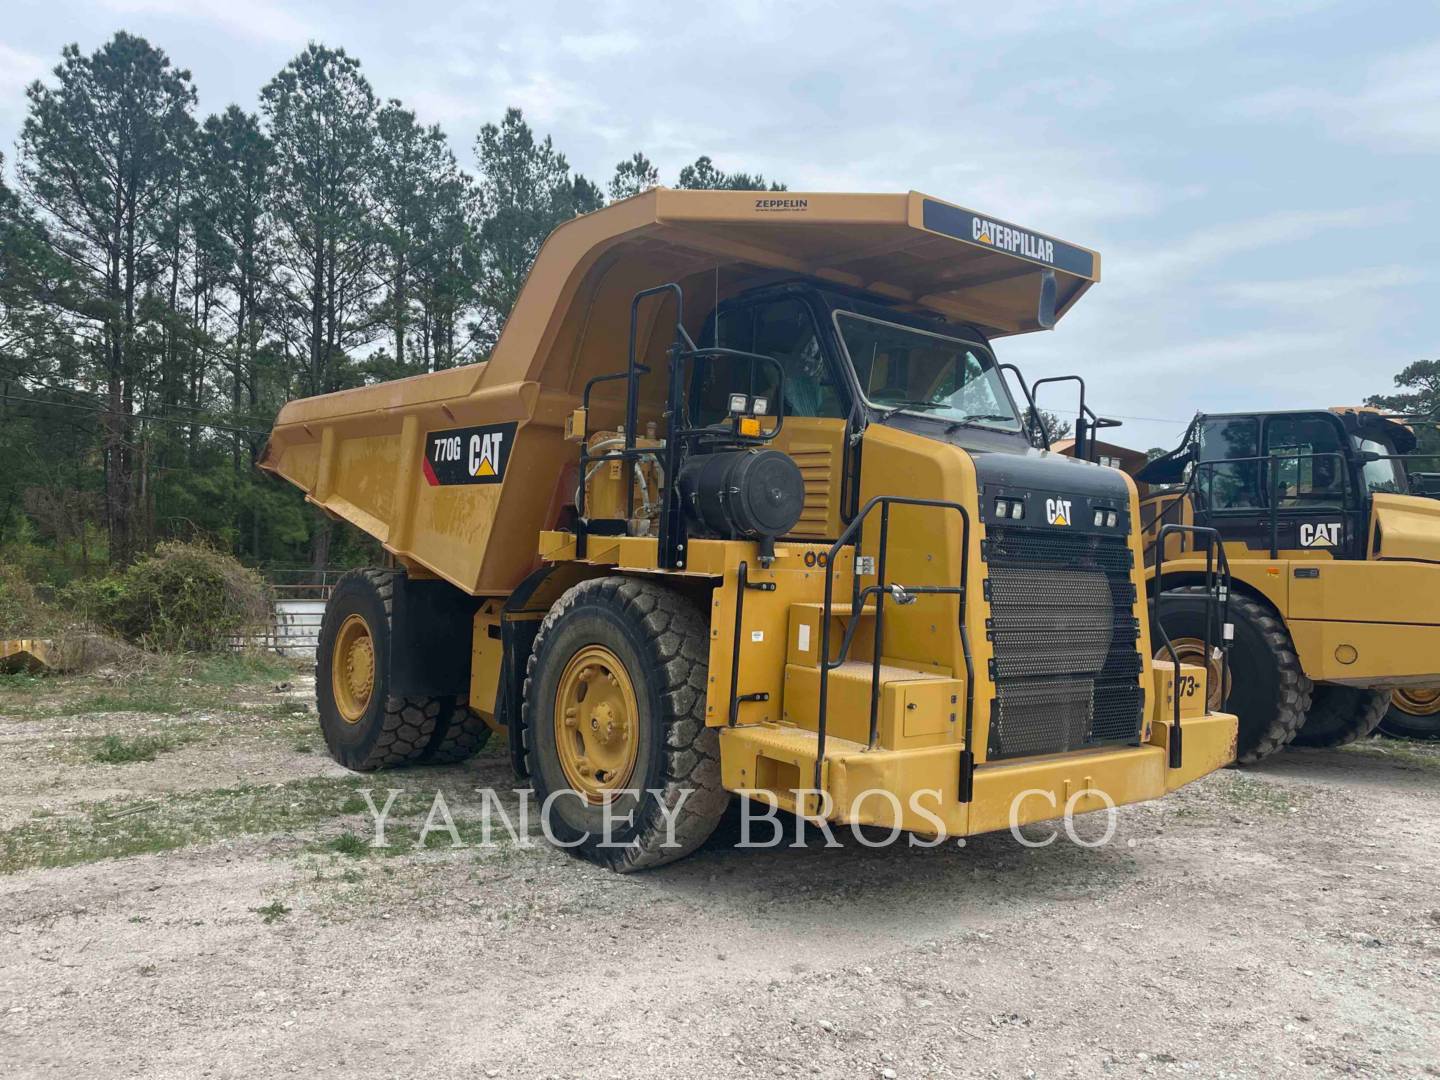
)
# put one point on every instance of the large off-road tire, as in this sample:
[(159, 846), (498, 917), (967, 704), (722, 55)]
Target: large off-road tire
[(615, 712), (1269, 693), (1414, 713), (366, 727), (1341, 714)]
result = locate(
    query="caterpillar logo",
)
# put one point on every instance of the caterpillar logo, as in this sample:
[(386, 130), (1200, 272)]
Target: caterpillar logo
[(475, 455), (1057, 511), (1319, 534), (1009, 238)]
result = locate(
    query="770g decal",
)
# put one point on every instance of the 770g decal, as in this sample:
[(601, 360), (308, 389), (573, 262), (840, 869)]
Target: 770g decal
[(474, 455)]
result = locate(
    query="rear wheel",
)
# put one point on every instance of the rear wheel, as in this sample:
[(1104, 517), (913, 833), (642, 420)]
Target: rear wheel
[(1414, 713), (1341, 714), (366, 727), (615, 724), (1269, 692)]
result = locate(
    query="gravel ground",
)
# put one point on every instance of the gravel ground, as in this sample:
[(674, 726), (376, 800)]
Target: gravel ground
[(1283, 920)]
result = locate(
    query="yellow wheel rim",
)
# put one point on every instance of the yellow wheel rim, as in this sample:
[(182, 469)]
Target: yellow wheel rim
[(1192, 651), (1417, 701), (597, 722), (352, 668)]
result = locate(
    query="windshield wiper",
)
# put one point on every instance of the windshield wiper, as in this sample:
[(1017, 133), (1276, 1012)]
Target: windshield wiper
[(979, 420), (902, 406)]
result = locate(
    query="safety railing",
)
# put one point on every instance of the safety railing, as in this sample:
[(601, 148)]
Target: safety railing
[(1215, 561), (902, 595), (1267, 496), (673, 535), (1270, 495)]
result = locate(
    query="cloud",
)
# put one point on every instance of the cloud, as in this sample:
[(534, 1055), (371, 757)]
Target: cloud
[(1324, 292), (17, 71), (261, 19), (1214, 244), (1396, 107), (606, 45)]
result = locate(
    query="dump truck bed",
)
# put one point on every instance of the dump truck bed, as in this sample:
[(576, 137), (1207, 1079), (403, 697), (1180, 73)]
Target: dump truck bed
[(422, 464)]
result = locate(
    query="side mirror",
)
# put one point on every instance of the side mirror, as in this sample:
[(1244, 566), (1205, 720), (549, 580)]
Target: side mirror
[(1045, 313)]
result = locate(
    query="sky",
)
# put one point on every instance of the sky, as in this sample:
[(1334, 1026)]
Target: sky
[(1260, 179)]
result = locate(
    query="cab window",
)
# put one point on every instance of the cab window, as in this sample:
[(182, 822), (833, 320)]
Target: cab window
[(1383, 475), (1311, 469), (1225, 482), (783, 329)]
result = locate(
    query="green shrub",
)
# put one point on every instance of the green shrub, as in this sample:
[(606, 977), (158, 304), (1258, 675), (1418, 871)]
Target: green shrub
[(21, 612), (183, 598)]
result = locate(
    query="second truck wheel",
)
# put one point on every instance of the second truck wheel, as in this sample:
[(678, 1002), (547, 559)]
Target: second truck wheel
[(1268, 691)]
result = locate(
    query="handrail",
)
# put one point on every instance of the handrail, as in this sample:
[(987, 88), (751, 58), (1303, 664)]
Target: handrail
[(1177, 499), (902, 595), (743, 582), (1211, 564), (1271, 490), (1035, 421), (673, 536)]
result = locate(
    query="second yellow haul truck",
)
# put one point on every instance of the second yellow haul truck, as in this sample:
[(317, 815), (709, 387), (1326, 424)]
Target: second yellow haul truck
[(1333, 546), (741, 503)]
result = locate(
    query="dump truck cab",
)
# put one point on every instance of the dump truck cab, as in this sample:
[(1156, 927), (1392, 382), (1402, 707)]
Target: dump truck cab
[(742, 503), (1334, 553)]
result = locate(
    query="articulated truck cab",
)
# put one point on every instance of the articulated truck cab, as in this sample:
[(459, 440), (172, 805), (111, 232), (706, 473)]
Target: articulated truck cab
[(742, 503)]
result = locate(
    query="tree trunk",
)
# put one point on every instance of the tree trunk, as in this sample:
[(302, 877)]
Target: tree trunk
[(320, 544)]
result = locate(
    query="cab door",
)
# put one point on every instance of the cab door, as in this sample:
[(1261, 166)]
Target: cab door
[(1288, 477), (816, 406), (1311, 480)]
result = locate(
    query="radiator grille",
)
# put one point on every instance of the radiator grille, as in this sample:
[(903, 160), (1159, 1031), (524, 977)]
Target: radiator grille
[(1062, 624)]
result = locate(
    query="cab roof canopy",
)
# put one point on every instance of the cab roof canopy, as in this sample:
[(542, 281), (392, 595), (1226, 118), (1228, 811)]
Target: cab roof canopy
[(571, 321)]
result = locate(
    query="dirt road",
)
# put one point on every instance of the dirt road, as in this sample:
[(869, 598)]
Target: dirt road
[(214, 911)]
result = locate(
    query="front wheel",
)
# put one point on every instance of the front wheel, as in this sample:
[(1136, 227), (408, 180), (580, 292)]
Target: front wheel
[(1414, 713), (616, 743), (1340, 715), (1269, 693)]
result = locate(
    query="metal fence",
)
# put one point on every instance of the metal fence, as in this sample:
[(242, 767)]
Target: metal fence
[(293, 629)]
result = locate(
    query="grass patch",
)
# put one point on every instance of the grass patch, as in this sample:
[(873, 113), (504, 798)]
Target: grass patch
[(1246, 793), (284, 710), (156, 697), (116, 828), (348, 844), (121, 827), (239, 669), (118, 750), (22, 684), (272, 911), (1421, 755)]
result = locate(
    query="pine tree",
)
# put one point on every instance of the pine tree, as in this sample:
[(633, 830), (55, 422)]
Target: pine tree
[(320, 114), (102, 152), (420, 200), (704, 176), (633, 176), (527, 190)]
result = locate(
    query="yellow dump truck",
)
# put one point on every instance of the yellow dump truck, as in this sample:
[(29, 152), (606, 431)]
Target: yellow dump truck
[(741, 502)]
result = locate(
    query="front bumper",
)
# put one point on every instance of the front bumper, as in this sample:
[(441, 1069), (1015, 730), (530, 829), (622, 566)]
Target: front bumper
[(768, 762)]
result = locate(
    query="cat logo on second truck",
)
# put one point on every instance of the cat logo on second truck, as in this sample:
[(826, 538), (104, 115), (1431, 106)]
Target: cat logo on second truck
[(1319, 534)]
